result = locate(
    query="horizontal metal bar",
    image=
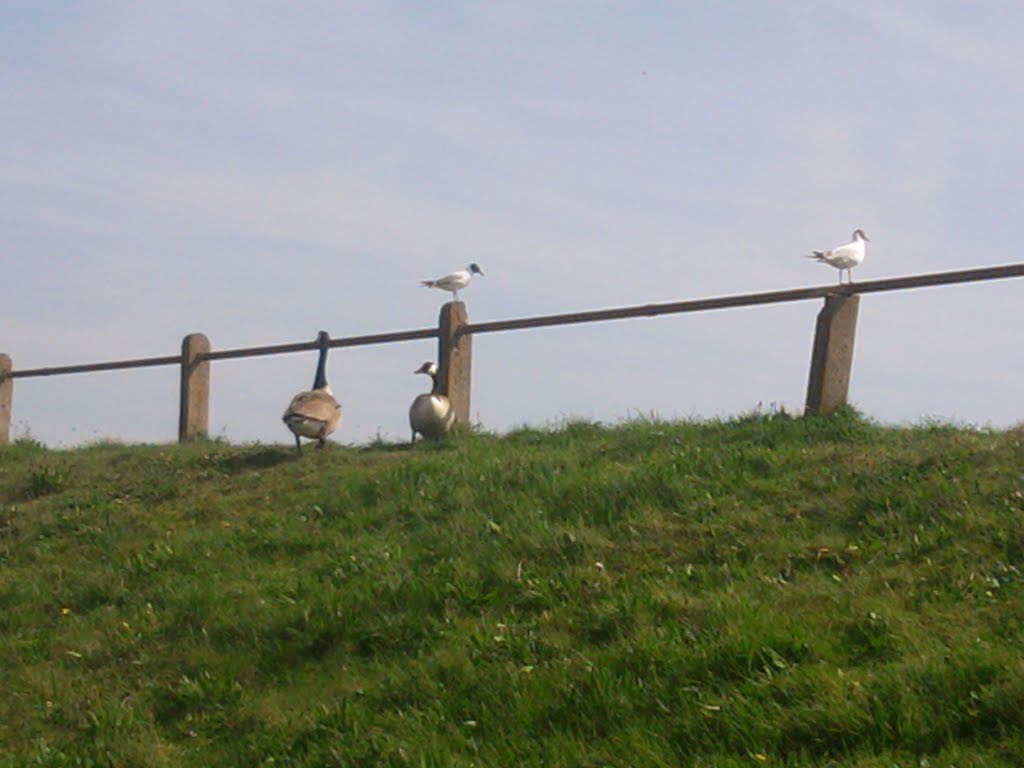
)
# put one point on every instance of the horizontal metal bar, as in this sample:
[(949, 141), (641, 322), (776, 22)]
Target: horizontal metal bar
[(304, 346), (645, 310), (142, 362), (226, 354), (937, 278), (748, 299)]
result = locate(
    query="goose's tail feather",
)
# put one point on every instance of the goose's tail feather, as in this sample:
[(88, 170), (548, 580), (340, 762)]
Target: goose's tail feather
[(428, 283)]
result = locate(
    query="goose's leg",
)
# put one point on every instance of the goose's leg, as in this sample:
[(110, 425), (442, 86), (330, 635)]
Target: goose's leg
[(298, 445)]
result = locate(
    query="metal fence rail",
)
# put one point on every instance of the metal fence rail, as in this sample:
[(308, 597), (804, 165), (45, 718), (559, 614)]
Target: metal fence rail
[(224, 354), (751, 299)]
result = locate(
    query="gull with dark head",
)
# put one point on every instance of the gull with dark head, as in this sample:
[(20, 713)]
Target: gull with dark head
[(844, 256), (454, 281)]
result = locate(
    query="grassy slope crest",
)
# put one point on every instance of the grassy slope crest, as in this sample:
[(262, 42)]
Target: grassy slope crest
[(761, 591)]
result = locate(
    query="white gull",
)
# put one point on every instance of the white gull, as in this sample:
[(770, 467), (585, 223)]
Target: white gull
[(454, 281), (844, 256)]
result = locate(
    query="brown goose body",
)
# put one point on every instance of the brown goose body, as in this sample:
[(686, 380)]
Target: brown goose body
[(314, 414)]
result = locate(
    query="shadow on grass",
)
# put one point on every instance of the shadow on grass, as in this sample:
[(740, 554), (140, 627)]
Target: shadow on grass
[(379, 446), (261, 459)]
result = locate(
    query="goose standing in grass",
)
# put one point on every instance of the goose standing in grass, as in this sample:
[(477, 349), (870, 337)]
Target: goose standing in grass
[(314, 414), (844, 256), (454, 281), (431, 414)]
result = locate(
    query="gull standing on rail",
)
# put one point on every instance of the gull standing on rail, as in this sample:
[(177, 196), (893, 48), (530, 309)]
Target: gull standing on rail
[(844, 256), (454, 281)]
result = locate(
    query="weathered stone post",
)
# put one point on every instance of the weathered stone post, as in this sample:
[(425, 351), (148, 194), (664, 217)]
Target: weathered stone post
[(455, 358), (194, 412), (6, 393), (832, 356)]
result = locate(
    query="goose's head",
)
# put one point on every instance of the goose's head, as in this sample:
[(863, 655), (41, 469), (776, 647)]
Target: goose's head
[(858, 234), (474, 269), (323, 339), (428, 368)]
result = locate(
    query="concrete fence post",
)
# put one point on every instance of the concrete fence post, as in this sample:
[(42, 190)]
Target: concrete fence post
[(455, 358), (6, 393), (194, 411), (832, 356)]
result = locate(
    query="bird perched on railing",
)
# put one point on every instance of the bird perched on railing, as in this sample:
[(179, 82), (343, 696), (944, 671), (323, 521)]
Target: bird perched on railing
[(844, 256), (454, 281), (314, 414), (431, 414)]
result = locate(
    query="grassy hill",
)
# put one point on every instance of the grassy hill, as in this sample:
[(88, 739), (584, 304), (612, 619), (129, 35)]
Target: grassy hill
[(767, 591)]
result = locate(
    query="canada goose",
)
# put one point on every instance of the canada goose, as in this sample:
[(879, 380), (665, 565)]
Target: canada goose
[(431, 414), (314, 414), (454, 281), (844, 256)]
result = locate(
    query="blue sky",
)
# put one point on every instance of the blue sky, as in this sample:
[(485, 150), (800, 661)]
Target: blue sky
[(258, 171)]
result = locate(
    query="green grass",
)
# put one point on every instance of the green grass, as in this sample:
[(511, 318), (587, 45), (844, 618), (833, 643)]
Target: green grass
[(766, 591)]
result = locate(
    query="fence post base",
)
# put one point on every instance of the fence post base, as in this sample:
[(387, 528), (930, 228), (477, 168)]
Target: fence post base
[(832, 357), (194, 412), (6, 393), (455, 358)]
